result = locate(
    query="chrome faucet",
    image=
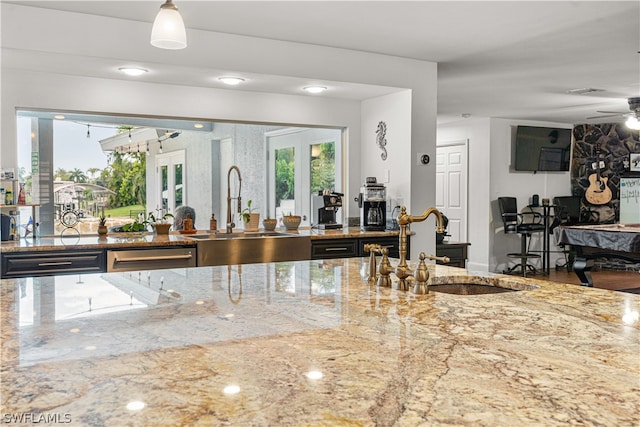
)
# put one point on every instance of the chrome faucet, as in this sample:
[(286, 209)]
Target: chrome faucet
[(230, 223), (402, 270)]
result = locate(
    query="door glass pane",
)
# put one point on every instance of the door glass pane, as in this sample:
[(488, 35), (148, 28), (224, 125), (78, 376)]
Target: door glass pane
[(323, 167), (177, 170), (285, 181), (164, 186)]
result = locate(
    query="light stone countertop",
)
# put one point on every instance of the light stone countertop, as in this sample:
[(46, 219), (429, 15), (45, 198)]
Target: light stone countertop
[(133, 240), (81, 348)]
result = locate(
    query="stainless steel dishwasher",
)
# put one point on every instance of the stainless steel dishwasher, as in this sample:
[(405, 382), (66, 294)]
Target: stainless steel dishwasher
[(151, 259)]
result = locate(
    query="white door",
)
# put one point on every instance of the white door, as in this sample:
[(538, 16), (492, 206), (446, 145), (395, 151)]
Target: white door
[(451, 187), (170, 181)]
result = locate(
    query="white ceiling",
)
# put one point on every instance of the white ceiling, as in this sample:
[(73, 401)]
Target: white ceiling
[(507, 59)]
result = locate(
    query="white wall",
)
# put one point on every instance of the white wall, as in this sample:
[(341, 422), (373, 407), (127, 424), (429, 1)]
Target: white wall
[(490, 143), (63, 34), (395, 171)]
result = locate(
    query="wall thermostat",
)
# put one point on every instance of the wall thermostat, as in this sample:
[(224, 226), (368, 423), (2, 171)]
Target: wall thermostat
[(423, 159)]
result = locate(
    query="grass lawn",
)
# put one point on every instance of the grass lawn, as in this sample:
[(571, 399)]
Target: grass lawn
[(124, 211)]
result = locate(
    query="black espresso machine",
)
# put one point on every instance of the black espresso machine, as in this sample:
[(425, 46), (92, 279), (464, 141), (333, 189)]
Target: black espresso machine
[(372, 202), (324, 210)]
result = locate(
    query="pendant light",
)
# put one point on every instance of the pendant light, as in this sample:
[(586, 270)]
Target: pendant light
[(168, 29)]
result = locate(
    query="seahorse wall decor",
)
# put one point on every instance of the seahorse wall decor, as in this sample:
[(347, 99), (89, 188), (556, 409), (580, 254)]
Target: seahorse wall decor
[(381, 139)]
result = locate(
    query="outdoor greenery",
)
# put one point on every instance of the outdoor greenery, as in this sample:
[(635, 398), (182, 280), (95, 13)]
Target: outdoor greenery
[(126, 177), (323, 166), (124, 210)]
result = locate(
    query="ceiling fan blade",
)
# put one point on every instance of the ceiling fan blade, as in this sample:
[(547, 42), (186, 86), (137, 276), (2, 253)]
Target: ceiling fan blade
[(605, 116), (612, 112)]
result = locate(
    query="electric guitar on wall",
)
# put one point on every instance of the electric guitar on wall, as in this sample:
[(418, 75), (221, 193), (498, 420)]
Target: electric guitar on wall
[(598, 192)]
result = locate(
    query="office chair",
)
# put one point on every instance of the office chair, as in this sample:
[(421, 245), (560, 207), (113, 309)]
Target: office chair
[(514, 223)]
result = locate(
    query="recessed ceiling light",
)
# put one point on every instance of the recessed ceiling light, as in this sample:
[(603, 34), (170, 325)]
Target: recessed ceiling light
[(58, 117), (315, 89), (136, 405), (198, 126), (231, 80), (129, 71)]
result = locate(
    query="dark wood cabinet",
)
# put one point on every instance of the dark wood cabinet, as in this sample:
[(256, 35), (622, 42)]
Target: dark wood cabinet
[(349, 247), (334, 248), (28, 264), (457, 253)]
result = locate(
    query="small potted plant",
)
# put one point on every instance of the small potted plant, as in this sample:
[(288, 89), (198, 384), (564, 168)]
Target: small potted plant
[(161, 224), (102, 224), (291, 222), (250, 217)]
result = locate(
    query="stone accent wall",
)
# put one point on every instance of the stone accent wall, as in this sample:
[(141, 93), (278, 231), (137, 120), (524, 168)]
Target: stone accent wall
[(615, 141)]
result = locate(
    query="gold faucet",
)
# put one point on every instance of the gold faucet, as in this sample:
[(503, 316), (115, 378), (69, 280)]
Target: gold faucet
[(402, 270), (230, 223)]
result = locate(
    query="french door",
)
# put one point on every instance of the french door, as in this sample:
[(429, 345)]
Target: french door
[(301, 163), (170, 181)]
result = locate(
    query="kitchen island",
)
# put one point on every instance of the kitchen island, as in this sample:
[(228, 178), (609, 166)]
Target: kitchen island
[(73, 253), (312, 343)]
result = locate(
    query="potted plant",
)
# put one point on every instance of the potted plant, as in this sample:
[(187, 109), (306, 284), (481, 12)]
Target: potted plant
[(269, 224), (102, 224), (291, 222), (250, 217), (161, 224)]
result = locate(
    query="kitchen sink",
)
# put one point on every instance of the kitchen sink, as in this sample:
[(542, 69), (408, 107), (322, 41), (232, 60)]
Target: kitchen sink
[(468, 289), (250, 247), (477, 285)]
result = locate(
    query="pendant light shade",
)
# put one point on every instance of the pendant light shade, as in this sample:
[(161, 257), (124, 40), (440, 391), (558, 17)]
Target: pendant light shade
[(168, 29)]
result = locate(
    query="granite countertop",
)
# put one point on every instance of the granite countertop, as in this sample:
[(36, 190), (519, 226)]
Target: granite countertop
[(131, 240), (312, 343)]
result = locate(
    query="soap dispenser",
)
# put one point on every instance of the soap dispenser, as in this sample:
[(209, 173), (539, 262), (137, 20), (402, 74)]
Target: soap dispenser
[(213, 223), (188, 223)]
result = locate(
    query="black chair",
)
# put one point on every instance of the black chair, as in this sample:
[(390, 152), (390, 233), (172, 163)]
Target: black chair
[(568, 212), (568, 208), (514, 222)]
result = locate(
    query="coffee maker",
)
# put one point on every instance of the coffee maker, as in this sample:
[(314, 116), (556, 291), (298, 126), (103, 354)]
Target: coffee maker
[(324, 210), (372, 202)]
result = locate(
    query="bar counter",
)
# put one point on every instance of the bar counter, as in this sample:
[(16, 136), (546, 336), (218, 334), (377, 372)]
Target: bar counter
[(312, 343)]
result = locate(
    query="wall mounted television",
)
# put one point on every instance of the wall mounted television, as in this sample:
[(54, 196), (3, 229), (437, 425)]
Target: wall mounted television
[(542, 149)]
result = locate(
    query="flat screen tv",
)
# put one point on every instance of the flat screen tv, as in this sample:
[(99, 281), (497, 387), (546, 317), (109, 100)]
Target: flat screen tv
[(542, 149)]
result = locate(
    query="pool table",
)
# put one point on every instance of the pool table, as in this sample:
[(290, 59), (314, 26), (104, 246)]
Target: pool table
[(609, 241)]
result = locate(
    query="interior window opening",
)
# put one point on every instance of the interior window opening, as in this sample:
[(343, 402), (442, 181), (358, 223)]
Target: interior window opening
[(123, 168)]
